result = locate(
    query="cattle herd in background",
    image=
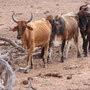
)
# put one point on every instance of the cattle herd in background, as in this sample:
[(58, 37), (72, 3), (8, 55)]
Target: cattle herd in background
[(41, 33)]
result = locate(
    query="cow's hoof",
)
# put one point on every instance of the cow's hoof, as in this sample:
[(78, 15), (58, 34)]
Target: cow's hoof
[(62, 61), (88, 50), (64, 58), (85, 55), (45, 66), (79, 56), (26, 71), (48, 61), (32, 67)]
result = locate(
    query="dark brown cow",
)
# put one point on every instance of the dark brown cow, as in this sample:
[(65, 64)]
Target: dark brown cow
[(85, 7), (34, 34), (84, 24)]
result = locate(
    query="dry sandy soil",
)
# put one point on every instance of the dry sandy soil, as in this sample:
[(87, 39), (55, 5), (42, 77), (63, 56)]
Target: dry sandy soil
[(74, 73)]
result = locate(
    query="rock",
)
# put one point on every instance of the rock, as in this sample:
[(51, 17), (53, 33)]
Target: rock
[(46, 12), (57, 4), (25, 82), (69, 77)]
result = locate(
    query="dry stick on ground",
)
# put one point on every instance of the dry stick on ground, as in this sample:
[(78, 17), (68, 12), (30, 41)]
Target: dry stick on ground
[(16, 45), (12, 43), (9, 75), (21, 49), (9, 80), (30, 86)]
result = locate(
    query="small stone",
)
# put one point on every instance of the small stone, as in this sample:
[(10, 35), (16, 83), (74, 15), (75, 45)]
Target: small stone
[(46, 12), (69, 77), (30, 78), (25, 82)]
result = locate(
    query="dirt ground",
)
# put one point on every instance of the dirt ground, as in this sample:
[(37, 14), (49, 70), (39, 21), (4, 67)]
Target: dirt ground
[(74, 73)]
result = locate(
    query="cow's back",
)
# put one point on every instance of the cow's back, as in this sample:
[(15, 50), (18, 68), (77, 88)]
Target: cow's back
[(71, 24), (41, 32)]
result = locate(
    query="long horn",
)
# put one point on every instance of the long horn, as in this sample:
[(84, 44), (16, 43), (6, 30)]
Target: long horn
[(14, 18), (30, 18)]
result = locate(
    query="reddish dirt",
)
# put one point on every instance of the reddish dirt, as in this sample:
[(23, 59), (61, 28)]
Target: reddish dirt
[(74, 72)]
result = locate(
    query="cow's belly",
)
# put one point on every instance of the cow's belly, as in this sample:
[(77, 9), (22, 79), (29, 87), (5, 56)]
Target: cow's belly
[(42, 41)]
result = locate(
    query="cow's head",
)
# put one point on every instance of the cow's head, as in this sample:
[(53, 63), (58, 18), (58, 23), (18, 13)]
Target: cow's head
[(59, 24), (21, 26), (50, 18), (85, 7), (83, 20)]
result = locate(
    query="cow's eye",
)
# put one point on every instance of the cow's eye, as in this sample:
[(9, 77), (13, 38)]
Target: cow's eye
[(17, 28), (24, 27)]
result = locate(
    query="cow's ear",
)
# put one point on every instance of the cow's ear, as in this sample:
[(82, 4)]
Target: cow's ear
[(30, 28), (15, 29)]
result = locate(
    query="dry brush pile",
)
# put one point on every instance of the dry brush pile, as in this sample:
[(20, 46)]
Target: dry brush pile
[(7, 61)]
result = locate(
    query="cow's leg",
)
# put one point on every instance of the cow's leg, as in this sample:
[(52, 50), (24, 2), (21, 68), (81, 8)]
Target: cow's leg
[(62, 50), (85, 47), (45, 55), (88, 37), (42, 52), (84, 43), (49, 55), (67, 48), (49, 50), (30, 59), (76, 44), (52, 37), (89, 47)]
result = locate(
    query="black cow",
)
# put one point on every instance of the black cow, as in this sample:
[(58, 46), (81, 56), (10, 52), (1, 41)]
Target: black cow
[(85, 7), (84, 24)]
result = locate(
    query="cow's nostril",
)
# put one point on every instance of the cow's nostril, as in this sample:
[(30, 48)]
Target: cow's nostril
[(19, 37)]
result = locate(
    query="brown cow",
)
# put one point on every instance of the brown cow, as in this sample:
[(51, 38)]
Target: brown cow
[(34, 34), (65, 27)]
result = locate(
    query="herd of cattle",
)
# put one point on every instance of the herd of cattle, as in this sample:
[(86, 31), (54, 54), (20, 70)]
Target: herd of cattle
[(41, 33)]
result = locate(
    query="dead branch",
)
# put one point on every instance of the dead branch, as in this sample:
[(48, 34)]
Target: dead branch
[(24, 69), (9, 41), (9, 75), (12, 43), (30, 86), (2, 87), (9, 80), (16, 45)]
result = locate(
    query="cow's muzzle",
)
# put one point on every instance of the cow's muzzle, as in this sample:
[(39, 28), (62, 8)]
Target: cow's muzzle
[(83, 28), (19, 37)]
